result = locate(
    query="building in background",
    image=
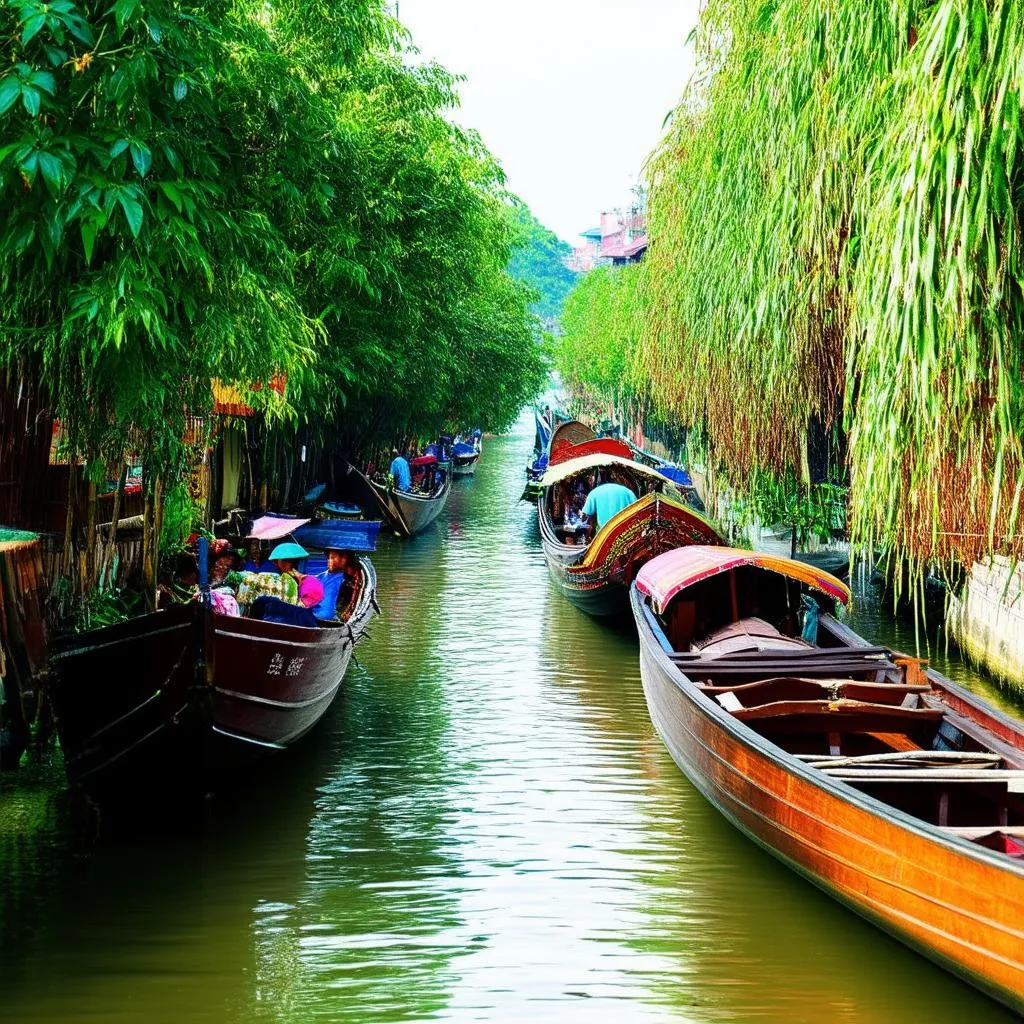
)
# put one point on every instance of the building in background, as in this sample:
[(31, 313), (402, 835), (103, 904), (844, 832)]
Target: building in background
[(621, 238)]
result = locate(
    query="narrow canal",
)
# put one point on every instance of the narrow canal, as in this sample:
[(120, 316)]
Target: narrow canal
[(486, 827)]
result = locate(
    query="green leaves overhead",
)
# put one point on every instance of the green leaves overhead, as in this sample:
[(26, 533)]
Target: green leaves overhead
[(238, 191)]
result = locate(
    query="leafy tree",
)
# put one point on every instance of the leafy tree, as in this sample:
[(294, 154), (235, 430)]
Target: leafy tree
[(539, 261)]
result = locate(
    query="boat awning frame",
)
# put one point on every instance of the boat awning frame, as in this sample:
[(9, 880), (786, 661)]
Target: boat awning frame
[(564, 470), (662, 578)]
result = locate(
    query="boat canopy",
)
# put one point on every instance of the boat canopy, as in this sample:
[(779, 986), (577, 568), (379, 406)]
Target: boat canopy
[(665, 576), (673, 514), (595, 446), (340, 534), (274, 527), (564, 470)]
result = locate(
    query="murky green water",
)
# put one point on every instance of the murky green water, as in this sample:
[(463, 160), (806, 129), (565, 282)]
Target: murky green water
[(486, 827)]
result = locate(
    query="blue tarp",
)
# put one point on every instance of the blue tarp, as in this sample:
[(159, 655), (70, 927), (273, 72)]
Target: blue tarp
[(461, 448), (347, 534), (676, 475)]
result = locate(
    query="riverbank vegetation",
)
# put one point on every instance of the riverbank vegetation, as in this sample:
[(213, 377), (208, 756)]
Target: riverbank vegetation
[(836, 251), (253, 195)]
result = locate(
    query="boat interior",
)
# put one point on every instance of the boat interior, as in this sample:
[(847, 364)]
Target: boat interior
[(869, 717), (564, 501)]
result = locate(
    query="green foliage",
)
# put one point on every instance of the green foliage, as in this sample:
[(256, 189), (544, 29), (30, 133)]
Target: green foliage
[(182, 516), (600, 333), (235, 190), (539, 261), (70, 612), (835, 217)]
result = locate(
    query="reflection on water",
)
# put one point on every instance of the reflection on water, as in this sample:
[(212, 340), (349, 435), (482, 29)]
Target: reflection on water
[(485, 828)]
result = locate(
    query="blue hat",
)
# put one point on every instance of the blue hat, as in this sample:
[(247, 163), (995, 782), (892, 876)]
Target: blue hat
[(289, 550)]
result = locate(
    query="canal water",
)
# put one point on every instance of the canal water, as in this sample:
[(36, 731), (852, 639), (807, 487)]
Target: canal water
[(486, 827)]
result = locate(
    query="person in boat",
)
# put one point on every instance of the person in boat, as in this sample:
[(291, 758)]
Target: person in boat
[(399, 471), (605, 501), (283, 582), (257, 560), (340, 584)]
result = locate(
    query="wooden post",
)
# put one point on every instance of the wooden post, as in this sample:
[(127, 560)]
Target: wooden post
[(90, 539), (110, 547)]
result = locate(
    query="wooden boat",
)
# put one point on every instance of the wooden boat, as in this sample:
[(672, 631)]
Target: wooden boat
[(411, 512), (408, 512), (884, 783), (565, 432), (174, 701), (596, 576), (465, 458)]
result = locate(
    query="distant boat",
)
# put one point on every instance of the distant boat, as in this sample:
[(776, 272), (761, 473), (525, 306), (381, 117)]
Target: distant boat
[(887, 785), (596, 576), (175, 700), (566, 431), (411, 512), (465, 457)]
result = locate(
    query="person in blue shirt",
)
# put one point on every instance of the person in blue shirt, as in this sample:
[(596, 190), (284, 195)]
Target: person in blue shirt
[(401, 475), (606, 501), (339, 582)]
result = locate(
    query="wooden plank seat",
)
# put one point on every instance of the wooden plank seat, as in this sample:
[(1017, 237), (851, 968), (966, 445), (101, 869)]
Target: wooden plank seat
[(796, 653), (835, 718), (764, 667), (1011, 777), (787, 688)]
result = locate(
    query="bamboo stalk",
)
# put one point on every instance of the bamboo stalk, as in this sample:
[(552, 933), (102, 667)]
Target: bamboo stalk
[(111, 545)]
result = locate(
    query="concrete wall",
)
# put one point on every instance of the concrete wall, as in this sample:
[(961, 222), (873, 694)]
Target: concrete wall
[(987, 618)]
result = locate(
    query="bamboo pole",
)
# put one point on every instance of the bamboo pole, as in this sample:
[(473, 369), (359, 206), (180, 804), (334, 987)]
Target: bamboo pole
[(111, 545), (90, 539)]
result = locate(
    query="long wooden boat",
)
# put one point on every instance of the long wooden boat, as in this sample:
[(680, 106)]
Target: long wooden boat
[(175, 700), (884, 783), (596, 576), (408, 512), (412, 512)]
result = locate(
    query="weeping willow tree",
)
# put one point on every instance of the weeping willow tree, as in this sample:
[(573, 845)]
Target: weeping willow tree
[(834, 215)]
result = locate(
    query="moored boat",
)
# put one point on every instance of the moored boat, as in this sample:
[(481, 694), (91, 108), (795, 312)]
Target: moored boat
[(596, 575), (175, 700), (890, 787), (547, 426), (411, 512), (465, 457)]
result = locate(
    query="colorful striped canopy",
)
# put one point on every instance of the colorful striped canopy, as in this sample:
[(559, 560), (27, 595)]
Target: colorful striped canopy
[(596, 446), (665, 576), (685, 521)]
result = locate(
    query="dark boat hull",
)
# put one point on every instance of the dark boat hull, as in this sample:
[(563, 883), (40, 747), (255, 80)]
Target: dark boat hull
[(956, 902), (177, 700)]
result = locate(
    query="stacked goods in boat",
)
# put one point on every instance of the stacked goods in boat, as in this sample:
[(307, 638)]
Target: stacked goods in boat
[(890, 787), (175, 700), (595, 571)]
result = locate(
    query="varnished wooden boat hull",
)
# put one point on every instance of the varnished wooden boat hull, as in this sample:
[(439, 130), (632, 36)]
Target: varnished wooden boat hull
[(174, 700), (954, 901)]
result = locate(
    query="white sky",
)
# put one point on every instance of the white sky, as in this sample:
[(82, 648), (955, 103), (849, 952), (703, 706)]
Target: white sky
[(569, 95)]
